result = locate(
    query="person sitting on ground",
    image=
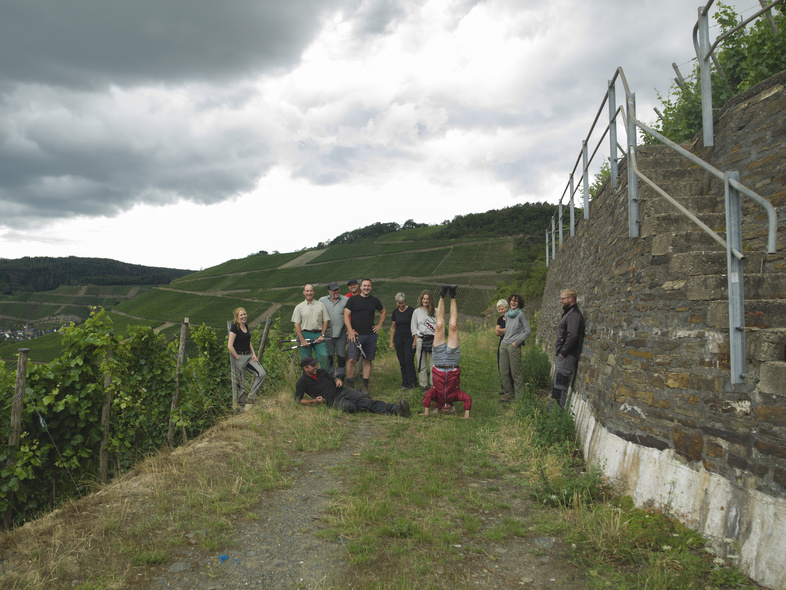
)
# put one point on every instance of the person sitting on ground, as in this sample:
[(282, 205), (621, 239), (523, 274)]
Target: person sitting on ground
[(446, 374), (318, 384)]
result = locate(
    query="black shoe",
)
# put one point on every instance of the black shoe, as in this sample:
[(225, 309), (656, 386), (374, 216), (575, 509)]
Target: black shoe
[(443, 291), (364, 387), (452, 290), (403, 409)]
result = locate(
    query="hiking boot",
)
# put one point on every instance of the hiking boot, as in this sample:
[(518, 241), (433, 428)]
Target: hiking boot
[(443, 291), (452, 291), (403, 409), (364, 387)]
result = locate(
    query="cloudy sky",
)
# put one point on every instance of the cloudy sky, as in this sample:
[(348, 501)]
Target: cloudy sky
[(183, 133)]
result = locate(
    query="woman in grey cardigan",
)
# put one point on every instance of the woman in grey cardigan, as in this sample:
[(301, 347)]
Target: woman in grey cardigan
[(517, 331)]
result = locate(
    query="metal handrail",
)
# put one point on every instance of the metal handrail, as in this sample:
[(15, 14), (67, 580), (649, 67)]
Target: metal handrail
[(733, 188), (705, 12), (706, 52), (772, 214)]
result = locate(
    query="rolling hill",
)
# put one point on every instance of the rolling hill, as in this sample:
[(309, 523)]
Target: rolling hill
[(269, 285)]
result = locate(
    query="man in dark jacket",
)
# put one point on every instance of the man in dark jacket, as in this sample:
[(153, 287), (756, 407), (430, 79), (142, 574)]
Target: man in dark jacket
[(570, 339), (323, 389)]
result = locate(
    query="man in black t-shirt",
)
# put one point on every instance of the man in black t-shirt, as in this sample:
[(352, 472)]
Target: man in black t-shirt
[(323, 389), (362, 331)]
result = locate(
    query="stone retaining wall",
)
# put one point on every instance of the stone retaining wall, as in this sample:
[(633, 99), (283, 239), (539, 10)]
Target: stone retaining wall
[(653, 401)]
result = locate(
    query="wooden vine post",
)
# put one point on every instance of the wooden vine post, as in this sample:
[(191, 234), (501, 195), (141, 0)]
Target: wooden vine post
[(181, 354), (16, 423), (103, 459), (265, 335)]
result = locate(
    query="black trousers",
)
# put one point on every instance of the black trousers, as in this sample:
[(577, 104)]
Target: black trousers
[(350, 401), (406, 360)]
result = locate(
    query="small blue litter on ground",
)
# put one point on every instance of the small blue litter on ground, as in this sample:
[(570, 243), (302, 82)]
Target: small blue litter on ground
[(223, 558)]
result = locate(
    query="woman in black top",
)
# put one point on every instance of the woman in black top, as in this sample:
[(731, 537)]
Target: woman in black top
[(401, 341), (244, 359)]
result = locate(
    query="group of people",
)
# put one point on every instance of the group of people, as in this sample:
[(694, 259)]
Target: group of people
[(337, 331), (513, 330)]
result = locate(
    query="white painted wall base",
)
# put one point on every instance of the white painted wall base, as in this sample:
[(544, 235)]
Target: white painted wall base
[(744, 526)]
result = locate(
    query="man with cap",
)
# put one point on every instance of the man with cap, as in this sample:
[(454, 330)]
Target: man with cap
[(311, 322), (336, 335), (354, 287), (323, 389)]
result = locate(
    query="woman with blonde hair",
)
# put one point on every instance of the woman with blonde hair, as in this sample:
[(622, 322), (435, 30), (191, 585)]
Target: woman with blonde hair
[(244, 358), (424, 322), (499, 330)]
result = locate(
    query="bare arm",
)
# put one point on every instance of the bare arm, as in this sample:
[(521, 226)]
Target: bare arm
[(311, 402), (382, 315), (348, 323), (299, 332), (231, 345)]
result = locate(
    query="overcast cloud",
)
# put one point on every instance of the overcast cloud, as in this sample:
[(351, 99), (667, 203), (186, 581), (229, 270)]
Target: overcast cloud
[(183, 133)]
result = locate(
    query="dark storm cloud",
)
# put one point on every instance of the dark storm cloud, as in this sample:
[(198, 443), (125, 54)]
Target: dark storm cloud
[(106, 104), (93, 43)]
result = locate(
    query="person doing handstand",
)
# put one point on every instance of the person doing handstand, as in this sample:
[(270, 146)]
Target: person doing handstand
[(445, 372)]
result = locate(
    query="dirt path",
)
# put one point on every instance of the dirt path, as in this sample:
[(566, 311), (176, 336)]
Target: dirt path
[(279, 546)]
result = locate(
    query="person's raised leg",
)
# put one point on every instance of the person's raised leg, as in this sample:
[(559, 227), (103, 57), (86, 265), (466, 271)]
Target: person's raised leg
[(453, 335), (439, 331)]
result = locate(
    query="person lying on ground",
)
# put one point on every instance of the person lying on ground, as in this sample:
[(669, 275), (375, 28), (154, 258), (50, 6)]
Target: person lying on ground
[(318, 385)]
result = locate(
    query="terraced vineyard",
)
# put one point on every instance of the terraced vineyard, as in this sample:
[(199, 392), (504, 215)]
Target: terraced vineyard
[(270, 285), (394, 265)]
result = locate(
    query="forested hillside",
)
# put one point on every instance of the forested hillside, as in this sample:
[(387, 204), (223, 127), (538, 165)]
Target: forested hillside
[(46, 273)]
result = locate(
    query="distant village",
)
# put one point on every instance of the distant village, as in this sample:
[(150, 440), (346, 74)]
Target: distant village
[(27, 333)]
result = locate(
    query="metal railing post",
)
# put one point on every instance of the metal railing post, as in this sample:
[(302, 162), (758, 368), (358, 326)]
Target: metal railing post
[(705, 73), (553, 252), (633, 180), (547, 248), (585, 176), (612, 96), (735, 280), (560, 224), (572, 209)]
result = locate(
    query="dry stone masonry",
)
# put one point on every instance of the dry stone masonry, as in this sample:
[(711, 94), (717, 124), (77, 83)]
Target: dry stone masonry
[(653, 401)]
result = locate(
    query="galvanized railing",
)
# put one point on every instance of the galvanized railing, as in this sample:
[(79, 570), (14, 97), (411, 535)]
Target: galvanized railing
[(733, 242), (705, 53)]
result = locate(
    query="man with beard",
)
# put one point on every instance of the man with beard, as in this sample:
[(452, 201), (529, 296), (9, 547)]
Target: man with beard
[(570, 339)]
